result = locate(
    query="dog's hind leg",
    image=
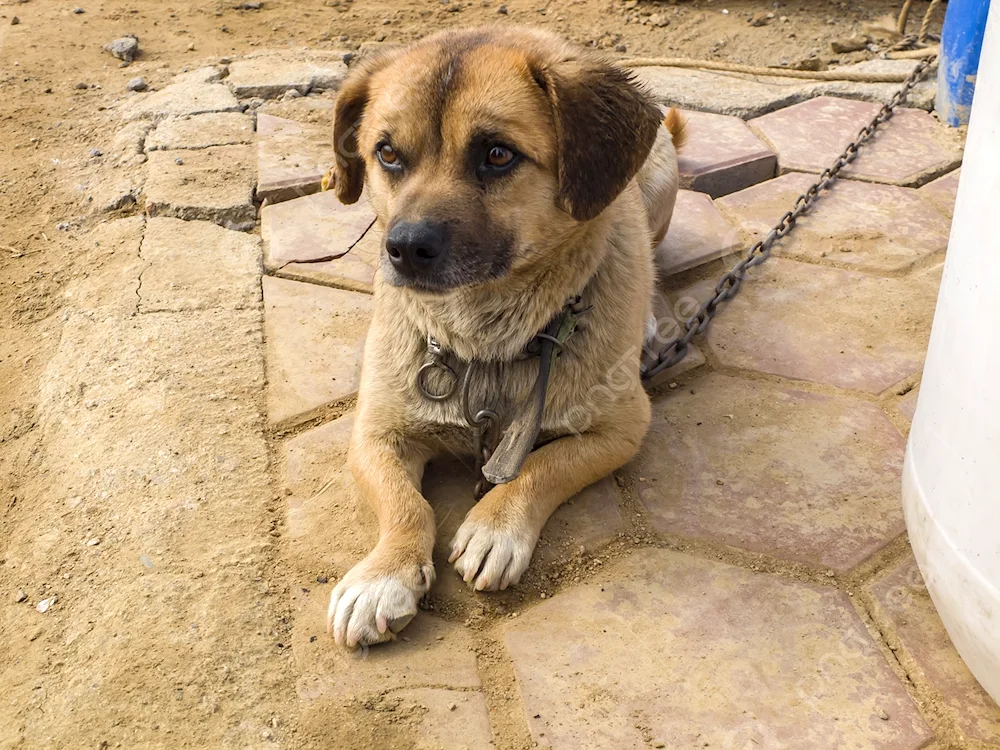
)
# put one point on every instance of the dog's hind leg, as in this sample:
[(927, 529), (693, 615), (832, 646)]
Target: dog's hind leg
[(493, 547), (379, 595)]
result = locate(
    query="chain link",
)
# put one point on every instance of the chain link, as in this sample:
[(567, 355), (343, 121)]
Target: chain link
[(677, 348)]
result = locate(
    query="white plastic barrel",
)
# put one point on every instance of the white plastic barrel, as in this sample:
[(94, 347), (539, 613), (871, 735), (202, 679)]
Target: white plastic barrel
[(951, 479)]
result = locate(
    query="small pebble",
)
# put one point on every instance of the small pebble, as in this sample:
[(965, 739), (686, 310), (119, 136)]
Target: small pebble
[(321, 579), (719, 482), (44, 604), (179, 161), (95, 152), (136, 84), (452, 706), (93, 542), (125, 48), (20, 596), (883, 715), (82, 86), (15, 21), (502, 10), (144, 559), (253, 5), (78, 11)]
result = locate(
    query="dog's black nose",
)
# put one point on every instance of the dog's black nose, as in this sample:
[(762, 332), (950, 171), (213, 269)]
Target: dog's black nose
[(414, 248)]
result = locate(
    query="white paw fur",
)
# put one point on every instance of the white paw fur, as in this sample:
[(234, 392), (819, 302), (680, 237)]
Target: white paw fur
[(491, 558), (366, 609)]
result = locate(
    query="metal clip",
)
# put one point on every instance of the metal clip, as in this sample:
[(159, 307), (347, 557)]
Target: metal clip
[(436, 362)]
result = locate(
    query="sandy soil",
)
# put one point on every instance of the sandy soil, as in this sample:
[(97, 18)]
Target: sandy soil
[(55, 81)]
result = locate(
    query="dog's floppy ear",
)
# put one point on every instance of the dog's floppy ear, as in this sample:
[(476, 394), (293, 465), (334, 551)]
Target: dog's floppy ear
[(605, 128), (348, 111)]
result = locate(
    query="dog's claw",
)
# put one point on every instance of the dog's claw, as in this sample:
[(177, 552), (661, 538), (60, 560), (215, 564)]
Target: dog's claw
[(368, 607), (490, 558)]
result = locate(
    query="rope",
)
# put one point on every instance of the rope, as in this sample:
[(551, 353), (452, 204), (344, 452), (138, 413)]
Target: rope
[(903, 15), (925, 24), (815, 75)]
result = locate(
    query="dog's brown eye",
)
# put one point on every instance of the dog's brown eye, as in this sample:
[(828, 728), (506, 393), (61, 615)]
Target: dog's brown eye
[(387, 154), (499, 156)]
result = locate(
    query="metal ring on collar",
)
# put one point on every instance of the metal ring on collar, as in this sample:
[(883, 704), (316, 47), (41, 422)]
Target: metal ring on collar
[(422, 381)]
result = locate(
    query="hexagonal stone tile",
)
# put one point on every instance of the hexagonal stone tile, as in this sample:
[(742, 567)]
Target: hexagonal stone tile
[(268, 74), (300, 233), (201, 131), (698, 234), (943, 191), (196, 265), (911, 149), (314, 338), (690, 652), (907, 614), (722, 155), (292, 158), (825, 325), (853, 224), (214, 184), (770, 469)]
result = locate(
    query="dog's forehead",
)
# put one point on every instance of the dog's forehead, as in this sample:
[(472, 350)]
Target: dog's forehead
[(484, 85)]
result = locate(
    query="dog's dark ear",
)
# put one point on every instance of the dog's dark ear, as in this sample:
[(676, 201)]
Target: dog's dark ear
[(605, 128), (348, 111)]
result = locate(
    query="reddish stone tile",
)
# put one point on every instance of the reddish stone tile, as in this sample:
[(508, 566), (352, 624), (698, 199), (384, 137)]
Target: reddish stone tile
[(854, 224), (943, 191), (825, 325), (930, 658), (292, 158), (314, 337), (910, 149), (722, 155), (770, 469), (698, 234), (690, 652), (320, 226)]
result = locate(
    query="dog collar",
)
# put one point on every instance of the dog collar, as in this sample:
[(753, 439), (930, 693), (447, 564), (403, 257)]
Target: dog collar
[(500, 458)]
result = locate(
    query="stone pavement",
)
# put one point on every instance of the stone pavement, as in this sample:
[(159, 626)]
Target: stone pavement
[(746, 580)]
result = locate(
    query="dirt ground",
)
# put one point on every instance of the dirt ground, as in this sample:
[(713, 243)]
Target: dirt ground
[(55, 82)]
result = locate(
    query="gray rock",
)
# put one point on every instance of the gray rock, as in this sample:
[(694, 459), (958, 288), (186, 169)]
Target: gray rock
[(136, 84), (126, 48), (95, 152), (78, 11), (20, 596)]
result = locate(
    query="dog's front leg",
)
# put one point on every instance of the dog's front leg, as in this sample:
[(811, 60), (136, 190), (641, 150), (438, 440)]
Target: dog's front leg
[(493, 546), (379, 595)]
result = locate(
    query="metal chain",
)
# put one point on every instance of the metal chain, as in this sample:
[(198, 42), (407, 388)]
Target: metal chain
[(677, 348)]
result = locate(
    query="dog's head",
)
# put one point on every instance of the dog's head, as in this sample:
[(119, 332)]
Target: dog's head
[(485, 150)]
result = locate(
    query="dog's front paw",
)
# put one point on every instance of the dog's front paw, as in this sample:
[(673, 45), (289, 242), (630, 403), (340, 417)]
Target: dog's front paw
[(376, 599), (491, 552)]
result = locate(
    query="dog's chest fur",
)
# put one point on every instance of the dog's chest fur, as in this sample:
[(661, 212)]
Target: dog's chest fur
[(612, 270)]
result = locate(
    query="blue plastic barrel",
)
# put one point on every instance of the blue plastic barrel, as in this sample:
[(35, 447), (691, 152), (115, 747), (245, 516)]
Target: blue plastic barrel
[(961, 43)]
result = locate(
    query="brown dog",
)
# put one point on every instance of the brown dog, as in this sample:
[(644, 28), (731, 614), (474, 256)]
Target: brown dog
[(509, 172)]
